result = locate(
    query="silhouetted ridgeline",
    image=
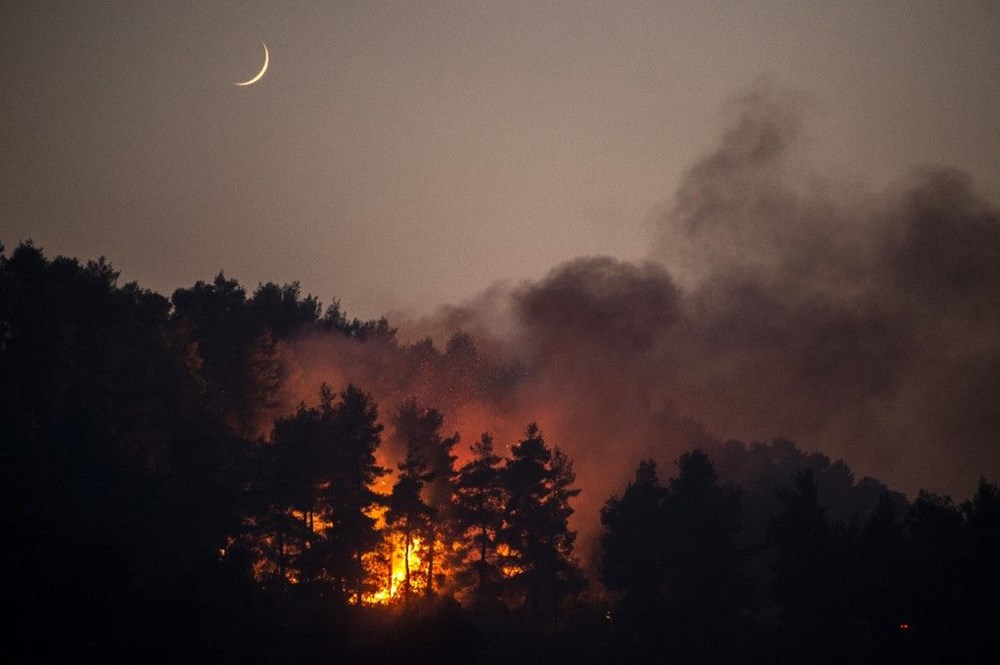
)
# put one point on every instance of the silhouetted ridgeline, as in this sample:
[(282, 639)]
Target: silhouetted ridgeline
[(166, 499)]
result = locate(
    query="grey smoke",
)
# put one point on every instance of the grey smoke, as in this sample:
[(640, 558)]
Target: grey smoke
[(777, 302)]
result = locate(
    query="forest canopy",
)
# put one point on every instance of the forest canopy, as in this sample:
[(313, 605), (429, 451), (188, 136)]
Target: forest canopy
[(163, 493)]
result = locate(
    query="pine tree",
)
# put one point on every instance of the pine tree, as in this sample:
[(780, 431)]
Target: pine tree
[(632, 546), (420, 430), (408, 514), (536, 530), (479, 505)]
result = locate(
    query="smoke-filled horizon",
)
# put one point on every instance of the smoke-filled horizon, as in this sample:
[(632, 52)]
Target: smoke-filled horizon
[(404, 155), (776, 302), (465, 331), (778, 299)]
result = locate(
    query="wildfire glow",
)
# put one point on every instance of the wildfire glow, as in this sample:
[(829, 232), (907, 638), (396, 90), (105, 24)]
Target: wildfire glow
[(392, 586), (507, 568)]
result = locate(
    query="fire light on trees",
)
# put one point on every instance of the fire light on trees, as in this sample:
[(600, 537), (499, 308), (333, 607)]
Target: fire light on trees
[(394, 567)]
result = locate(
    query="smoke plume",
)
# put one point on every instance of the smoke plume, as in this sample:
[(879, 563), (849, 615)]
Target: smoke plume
[(776, 302)]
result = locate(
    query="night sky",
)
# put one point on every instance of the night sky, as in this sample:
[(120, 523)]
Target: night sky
[(796, 205)]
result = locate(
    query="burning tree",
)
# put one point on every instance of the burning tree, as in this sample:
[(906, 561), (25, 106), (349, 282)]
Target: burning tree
[(318, 473), (422, 498), (499, 526), (410, 517), (347, 496)]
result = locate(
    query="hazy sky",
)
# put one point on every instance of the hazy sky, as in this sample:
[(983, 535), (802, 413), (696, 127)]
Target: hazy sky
[(402, 155)]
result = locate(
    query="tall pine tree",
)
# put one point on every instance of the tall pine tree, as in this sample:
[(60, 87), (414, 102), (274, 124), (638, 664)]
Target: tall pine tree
[(536, 530)]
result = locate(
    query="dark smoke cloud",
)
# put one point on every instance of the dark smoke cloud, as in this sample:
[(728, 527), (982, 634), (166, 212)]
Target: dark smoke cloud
[(862, 324), (777, 302)]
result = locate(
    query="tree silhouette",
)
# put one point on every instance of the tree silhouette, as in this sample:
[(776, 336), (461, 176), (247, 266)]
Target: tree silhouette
[(479, 508), (881, 577), (704, 579), (319, 470), (118, 484), (810, 584), (282, 309), (539, 482), (934, 526), (376, 331), (238, 353), (347, 495), (982, 573), (673, 554), (408, 514), (147, 514), (420, 430), (633, 548), (292, 479)]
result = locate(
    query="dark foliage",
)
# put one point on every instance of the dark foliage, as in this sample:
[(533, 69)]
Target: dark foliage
[(479, 513), (157, 506), (538, 485), (119, 488), (673, 555)]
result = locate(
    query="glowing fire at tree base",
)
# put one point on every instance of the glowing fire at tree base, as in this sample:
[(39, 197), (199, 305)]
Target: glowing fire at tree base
[(389, 566)]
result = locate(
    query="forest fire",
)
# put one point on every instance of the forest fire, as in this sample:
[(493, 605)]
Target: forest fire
[(405, 569), (360, 495), (355, 501)]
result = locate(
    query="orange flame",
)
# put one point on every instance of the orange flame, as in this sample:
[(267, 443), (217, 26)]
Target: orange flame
[(393, 567)]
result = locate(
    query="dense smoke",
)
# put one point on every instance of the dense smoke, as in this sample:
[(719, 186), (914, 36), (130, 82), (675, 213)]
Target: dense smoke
[(862, 325), (776, 302)]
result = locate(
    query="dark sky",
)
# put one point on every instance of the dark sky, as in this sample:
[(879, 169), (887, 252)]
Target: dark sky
[(795, 202), (402, 155)]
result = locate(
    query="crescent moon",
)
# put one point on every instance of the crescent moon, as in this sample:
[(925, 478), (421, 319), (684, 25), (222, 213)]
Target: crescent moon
[(263, 69)]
